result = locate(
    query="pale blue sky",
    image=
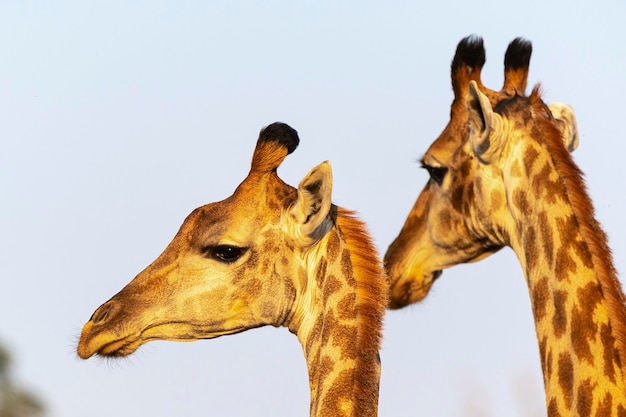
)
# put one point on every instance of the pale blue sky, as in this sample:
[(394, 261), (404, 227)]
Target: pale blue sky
[(117, 120)]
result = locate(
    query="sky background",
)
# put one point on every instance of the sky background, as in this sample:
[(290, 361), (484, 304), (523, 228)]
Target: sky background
[(118, 119)]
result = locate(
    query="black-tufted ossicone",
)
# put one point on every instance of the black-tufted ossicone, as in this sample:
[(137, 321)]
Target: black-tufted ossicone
[(518, 54), (275, 142), (470, 52), (281, 133)]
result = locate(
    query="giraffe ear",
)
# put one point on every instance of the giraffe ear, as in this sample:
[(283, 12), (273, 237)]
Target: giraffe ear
[(566, 123), (311, 210), (485, 126)]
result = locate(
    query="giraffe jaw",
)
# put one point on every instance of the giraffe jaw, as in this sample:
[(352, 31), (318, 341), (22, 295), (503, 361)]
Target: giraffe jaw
[(109, 344), (411, 288), (105, 344)]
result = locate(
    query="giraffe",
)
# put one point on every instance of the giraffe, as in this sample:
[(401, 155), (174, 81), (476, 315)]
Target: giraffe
[(267, 255), (467, 65), (509, 180)]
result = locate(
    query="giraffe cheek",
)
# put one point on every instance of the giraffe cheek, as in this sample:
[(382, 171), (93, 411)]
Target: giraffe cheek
[(239, 313), (239, 305), (268, 312), (254, 310)]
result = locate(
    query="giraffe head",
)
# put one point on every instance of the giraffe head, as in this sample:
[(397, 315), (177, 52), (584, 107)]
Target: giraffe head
[(456, 217), (231, 265)]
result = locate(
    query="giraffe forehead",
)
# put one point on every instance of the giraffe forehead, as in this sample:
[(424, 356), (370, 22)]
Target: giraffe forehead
[(450, 140), (456, 132), (251, 210)]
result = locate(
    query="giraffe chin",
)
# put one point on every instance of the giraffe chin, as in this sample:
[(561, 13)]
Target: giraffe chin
[(411, 289)]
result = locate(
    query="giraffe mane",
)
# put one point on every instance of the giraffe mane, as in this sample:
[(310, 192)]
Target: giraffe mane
[(371, 302), (593, 234)]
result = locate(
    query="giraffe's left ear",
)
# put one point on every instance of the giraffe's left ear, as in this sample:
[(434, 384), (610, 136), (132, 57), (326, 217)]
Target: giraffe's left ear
[(485, 126), (311, 210), (566, 123)]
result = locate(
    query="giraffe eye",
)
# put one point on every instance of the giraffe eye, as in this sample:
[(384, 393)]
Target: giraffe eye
[(224, 253), (436, 173)]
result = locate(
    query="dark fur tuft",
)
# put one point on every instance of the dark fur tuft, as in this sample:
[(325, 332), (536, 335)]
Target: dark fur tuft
[(518, 54), (281, 133), (470, 52)]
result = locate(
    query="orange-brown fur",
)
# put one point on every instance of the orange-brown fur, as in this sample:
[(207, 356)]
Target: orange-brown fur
[(590, 229), (370, 305)]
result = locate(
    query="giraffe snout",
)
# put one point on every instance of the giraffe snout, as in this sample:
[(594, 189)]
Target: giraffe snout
[(411, 288), (96, 336)]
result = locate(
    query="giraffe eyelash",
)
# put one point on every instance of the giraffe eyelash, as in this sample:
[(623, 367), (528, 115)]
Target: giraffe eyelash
[(436, 174), (224, 253)]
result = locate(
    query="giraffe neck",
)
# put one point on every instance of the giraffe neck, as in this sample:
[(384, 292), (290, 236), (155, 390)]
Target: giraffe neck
[(576, 299), (338, 321)]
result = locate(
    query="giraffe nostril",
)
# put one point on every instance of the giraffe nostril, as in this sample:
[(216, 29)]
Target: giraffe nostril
[(103, 312)]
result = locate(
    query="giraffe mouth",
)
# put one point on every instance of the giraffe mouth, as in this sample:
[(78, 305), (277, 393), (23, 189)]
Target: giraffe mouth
[(109, 344), (116, 348), (409, 290)]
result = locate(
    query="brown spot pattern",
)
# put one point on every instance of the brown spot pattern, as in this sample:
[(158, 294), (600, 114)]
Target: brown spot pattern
[(331, 286), (464, 169), (314, 336), (584, 398), (532, 252), (568, 236), (566, 378), (320, 273), (325, 367), (346, 267), (559, 321), (605, 406), (545, 189), (337, 393), (346, 308), (608, 347), (581, 333), (553, 408), (564, 264), (584, 254), (520, 200), (445, 219), (547, 240), (540, 298), (456, 197), (343, 335), (530, 156), (332, 249), (252, 288), (273, 204), (584, 329)]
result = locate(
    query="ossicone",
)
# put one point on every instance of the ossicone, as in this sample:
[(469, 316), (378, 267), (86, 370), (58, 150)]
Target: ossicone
[(516, 63), (470, 52), (275, 142), (467, 64)]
